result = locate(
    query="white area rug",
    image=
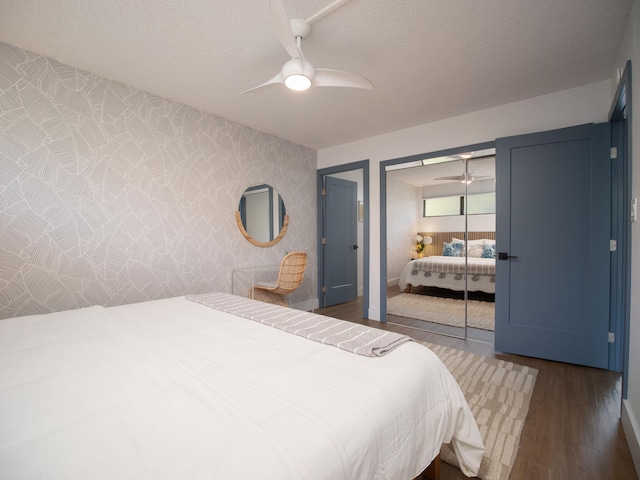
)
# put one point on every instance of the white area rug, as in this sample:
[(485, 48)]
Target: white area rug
[(499, 394), (445, 311)]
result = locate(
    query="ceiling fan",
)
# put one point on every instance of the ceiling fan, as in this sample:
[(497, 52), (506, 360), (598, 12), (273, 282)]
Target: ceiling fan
[(465, 177), (298, 73)]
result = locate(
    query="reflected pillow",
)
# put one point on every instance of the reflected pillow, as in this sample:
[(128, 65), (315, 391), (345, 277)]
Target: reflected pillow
[(452, 249), (488, 250), (479, 241), (474, 247), (475, 250), (454, 241)]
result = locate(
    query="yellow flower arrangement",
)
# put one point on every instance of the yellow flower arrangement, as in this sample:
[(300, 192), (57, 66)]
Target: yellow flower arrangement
[(419, 243)]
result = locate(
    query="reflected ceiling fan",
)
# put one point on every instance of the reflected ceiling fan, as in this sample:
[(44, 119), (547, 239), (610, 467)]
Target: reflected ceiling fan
[(465, 177), (298, 73)]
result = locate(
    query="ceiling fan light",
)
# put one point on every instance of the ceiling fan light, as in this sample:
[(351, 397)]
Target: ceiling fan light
[(297, 82), (298, 74)]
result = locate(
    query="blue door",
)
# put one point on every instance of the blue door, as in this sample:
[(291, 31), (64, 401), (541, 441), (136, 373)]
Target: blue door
[(340, 248), (553, 231)]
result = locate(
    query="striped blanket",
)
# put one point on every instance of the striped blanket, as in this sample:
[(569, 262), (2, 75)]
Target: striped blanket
[(351, 337), (455, 265)]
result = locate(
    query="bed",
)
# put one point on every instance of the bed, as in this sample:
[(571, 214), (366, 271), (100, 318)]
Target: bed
[(450, 272), (174, 388)]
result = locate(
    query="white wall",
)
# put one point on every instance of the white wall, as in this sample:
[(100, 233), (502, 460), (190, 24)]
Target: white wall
[(589, 103), (403, 216), (631, 406)]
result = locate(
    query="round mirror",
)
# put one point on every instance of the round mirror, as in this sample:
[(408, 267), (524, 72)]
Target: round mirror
[(261, 215)]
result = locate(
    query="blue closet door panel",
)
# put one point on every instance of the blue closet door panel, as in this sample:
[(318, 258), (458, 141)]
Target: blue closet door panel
[(553, 224)]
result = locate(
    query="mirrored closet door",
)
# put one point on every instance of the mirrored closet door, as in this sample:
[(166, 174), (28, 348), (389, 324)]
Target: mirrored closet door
[(441, 244)]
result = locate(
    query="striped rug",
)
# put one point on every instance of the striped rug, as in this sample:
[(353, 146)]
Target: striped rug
[(445, 311), (499, 394)]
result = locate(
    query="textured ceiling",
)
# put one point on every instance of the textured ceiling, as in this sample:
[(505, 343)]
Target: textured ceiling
[(427, 59)]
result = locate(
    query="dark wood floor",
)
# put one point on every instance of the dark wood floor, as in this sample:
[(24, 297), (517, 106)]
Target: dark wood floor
[(573, 428)]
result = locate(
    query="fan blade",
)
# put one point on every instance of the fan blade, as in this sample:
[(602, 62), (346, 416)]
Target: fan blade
[(282, 27), (277, 79), (338, 78)]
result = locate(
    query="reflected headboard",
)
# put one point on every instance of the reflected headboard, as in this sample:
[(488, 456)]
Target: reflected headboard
[(438, 238)]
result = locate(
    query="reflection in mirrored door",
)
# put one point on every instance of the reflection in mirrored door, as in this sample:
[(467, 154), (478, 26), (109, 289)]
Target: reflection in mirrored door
[(441, 240)]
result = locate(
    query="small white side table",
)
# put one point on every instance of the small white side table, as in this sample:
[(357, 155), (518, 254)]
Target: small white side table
[(243, 279)]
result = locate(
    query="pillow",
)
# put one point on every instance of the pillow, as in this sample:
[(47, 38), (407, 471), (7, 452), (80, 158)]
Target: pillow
[(452, 249), (456, 241), (475, 246), (488, 250), (474, 250), (480, 241)]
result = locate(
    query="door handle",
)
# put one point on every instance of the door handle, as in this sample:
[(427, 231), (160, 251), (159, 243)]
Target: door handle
[(355, 247), (505, 256)]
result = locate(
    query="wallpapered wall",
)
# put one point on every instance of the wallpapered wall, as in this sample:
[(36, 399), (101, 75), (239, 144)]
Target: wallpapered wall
[(111, 195), (403, 212)]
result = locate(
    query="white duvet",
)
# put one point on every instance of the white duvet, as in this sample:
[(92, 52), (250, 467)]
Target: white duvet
[(171, 389)]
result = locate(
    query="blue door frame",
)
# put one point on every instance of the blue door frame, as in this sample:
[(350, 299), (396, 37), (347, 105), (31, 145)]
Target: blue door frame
[(620, 314), (364, 165)]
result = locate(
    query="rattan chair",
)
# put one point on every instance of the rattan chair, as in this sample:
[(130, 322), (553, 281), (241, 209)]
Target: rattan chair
[(289, 278)]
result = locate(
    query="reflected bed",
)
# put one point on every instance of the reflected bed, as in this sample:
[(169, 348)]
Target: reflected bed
[(450, 272)]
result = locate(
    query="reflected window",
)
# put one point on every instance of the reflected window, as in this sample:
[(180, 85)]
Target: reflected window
[(476, 204)]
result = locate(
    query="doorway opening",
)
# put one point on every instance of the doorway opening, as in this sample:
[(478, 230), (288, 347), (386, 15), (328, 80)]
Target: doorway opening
[(339, 250)]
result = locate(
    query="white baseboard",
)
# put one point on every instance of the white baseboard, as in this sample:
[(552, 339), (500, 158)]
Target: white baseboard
[(632, 432), (392, 281)]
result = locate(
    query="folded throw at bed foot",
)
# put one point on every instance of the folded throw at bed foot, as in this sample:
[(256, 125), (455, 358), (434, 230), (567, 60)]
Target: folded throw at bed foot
[(351, 337)]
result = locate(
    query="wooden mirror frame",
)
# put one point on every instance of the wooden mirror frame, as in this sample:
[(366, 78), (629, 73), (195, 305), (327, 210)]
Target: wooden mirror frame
[(285, 218), (245, 234)]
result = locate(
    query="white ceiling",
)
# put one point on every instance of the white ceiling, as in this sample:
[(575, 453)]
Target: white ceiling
[(427, 59)]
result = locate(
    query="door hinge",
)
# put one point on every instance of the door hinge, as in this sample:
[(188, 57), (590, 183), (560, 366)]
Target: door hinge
[(612, 337), (324, 241), (614, 153), (324, 192), (324, 289), (613, 245)]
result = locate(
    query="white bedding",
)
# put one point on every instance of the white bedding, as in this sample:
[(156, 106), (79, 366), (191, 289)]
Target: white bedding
[(171, 389), (482, 282)]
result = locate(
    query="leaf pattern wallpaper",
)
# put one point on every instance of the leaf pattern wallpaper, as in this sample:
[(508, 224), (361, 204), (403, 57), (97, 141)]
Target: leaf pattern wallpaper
[(111, 195)]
